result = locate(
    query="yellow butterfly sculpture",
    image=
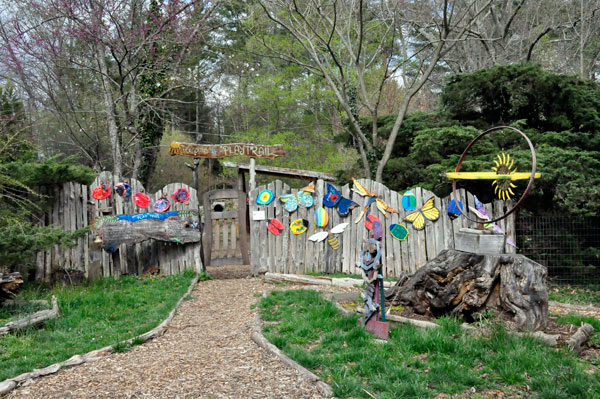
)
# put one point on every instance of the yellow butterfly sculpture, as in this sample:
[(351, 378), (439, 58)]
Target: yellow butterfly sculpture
[(427, 211)]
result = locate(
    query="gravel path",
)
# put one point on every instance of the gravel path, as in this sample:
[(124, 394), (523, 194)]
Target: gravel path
[(207, 353)]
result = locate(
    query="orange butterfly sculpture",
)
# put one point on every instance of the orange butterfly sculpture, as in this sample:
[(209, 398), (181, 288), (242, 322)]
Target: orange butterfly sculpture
[(381, 205)]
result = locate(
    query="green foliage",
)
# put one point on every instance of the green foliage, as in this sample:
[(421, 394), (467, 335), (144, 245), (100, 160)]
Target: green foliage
[(429, 145), (504, 94), (20, 173), (94, 315), (417, 363), (21, 240), (286, 106), (55, 170)]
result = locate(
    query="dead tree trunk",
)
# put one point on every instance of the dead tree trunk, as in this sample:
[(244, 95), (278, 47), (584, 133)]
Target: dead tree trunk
[(10, 284), (463, 284)]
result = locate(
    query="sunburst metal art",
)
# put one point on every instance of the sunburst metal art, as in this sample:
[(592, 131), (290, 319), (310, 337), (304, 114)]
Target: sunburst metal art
[(503, 175), (504, 166)]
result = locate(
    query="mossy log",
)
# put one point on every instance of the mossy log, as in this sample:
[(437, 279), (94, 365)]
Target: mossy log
[(464, 284)]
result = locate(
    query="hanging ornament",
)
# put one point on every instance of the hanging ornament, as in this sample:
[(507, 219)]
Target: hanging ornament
[(101, 192), (141, 200)]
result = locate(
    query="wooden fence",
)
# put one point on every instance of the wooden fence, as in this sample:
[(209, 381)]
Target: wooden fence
[(289, 253), (74, 208)]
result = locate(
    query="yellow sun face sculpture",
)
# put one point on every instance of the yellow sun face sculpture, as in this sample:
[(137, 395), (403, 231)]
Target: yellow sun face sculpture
[(504, 166)]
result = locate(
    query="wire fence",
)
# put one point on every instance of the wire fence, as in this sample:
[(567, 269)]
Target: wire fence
[(568, 247)]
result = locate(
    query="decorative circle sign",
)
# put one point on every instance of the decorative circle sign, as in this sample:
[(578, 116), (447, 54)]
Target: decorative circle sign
[(265, 197), (141, 200), (101, 192)]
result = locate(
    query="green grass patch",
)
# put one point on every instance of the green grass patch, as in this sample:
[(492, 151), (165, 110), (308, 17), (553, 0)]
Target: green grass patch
[(101, 313), (416, 363), (574, 295)]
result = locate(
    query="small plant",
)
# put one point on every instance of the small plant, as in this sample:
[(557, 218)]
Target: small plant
[(137, 341), (121, 347), (203, 276)]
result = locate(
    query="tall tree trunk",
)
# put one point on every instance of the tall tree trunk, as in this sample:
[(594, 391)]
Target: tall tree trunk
[(111, 118)]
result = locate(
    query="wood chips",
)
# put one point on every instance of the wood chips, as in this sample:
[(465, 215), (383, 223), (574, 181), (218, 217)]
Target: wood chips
[(206, 353)]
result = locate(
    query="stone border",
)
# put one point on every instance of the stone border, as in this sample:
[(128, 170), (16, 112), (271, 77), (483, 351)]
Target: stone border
[(11, 383), (258, 337)]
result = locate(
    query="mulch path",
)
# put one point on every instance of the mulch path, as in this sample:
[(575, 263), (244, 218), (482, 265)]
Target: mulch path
[(206, 353)]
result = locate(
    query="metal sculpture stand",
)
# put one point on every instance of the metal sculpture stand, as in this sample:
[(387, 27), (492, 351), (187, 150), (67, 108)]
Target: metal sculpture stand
[(373, 297)]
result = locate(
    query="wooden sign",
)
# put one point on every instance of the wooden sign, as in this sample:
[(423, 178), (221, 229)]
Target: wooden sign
[(226, 150)]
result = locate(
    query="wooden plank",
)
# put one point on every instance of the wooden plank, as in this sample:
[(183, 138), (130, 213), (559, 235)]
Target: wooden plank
[(420, 247), (85, 222), (254, 238), (351, 242), (335, 256), (278, 213), (208, 231), (287, 255), (242, 223), (223, 194), (346, 237), (405, 250), (430, 245), (397, 259), (447, 231), (77, 252), (315, 253), (226, 150), (270, 249), (361, 231), (302, 239), (226, 225), (281, 172), (412, 241), (225, 214)]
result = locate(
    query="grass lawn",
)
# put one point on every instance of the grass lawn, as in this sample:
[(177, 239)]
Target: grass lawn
[(94, 315), (419, 363), (574, 295)]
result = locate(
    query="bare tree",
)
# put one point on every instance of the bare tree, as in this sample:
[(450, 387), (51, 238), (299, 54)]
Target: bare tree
[(357, 46), (106, 45), (561, 35)]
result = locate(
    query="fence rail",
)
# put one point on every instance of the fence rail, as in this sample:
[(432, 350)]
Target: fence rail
[(289, 253)]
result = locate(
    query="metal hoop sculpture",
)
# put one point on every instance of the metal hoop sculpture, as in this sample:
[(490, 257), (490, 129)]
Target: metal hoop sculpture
[(531, 177)]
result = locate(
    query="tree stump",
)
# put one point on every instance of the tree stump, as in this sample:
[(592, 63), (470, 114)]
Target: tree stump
[(10, 284), (462, 284)]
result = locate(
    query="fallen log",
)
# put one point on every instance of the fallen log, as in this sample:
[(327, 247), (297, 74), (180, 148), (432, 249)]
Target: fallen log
[(10, 285), (580, 338), (33, 319), (463, 284)]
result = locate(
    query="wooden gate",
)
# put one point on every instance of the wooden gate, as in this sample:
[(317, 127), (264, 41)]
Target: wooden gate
[(225, 220)]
